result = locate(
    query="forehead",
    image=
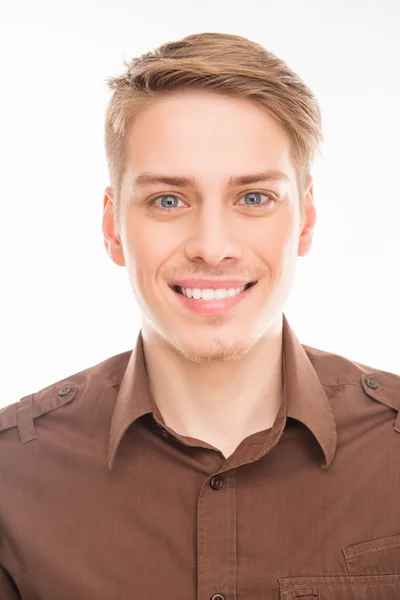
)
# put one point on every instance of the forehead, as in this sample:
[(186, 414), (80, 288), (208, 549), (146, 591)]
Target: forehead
[(206, 134)]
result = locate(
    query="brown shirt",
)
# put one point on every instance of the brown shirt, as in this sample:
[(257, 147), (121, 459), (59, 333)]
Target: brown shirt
[(100, 500)]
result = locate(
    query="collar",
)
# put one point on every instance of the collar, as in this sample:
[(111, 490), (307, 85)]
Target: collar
[(306, 400)]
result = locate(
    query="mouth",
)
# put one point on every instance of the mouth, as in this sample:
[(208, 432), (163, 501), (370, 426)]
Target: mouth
[(213, 306), (178, 289)]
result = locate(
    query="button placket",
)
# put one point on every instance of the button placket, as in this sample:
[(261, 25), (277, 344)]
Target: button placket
[(216, 537)]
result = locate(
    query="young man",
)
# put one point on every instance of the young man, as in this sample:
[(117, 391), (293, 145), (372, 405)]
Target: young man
[(220, 459)]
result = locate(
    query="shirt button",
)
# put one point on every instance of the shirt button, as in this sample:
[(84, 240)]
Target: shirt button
[(372, 382), (65, 390), (216, 483), (217, 597)]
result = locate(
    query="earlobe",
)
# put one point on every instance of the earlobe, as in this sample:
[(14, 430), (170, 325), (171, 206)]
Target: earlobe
[(114, 250), (305, 241)]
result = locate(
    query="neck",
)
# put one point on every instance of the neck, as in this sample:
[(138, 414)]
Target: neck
[(218, 403)]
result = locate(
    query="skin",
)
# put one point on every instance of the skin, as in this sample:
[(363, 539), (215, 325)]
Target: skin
[(214, 378)]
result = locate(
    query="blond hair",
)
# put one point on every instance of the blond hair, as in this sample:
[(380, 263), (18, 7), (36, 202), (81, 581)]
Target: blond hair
[(227, 64)]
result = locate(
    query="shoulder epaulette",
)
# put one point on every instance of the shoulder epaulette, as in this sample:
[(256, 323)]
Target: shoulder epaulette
[(21, 414), (384, 387)]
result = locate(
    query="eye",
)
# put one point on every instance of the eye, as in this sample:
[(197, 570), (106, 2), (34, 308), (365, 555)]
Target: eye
[(255, 198), (169, 199)]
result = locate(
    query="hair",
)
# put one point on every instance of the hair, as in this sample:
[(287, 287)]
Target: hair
[(222, 63)]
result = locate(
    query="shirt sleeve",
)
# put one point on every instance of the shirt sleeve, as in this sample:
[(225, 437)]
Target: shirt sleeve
[(8, 589)]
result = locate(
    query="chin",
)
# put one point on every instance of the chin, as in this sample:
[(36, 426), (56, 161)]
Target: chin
[(211, 347)]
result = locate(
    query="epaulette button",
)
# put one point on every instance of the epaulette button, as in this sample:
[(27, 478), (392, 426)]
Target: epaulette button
[(65, 390), (372, 382)]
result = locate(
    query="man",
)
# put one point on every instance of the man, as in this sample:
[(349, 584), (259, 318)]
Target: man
[(220, 459)]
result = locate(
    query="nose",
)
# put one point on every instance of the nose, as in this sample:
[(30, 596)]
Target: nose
[(215, 237)]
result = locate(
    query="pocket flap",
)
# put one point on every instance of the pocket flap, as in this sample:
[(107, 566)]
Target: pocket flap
[(378, 557), (341, 587)]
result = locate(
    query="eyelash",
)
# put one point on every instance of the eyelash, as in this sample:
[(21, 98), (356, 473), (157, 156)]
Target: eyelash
[(161, 209)]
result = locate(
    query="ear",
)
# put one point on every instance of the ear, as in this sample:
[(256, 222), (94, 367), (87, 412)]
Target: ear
[(112, 241), (308, 219)]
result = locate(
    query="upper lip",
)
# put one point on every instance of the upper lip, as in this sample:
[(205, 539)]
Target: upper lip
[(210, 284)]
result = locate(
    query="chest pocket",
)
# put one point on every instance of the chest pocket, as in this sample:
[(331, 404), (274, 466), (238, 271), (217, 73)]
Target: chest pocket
[(374, 574)]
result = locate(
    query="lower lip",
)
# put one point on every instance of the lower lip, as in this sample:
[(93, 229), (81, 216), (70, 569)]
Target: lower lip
[(213, 307)]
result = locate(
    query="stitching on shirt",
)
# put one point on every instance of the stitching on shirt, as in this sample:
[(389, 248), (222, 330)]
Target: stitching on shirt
[(119, 432), (367, 551), (205, 573), (359, 579), (232, 490), (347, 562), (341, 383), (229, 518)]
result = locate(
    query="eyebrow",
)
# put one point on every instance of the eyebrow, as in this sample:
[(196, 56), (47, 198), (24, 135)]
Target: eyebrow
[(147, 179)]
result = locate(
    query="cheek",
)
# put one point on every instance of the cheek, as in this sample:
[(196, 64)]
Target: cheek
[(147, 247), (275, 241)]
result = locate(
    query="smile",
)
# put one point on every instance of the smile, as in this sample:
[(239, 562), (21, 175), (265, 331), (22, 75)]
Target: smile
[(210, 303), (211, 294)]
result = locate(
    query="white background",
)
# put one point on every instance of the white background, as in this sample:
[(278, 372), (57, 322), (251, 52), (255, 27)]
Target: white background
[(64, 305)]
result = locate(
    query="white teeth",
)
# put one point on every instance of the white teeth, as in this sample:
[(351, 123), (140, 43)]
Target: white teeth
[(198, 294)]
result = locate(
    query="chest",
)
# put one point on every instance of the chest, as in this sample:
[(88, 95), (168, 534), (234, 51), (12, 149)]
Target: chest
[(272, 528)]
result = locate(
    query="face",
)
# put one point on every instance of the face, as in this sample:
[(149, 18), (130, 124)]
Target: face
[(209, 228)]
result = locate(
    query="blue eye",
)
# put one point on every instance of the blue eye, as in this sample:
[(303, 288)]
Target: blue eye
[(165, 196), (256, 195), (254, 202)]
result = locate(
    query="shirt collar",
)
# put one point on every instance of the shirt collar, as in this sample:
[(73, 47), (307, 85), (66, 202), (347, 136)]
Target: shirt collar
[(306, 400)]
